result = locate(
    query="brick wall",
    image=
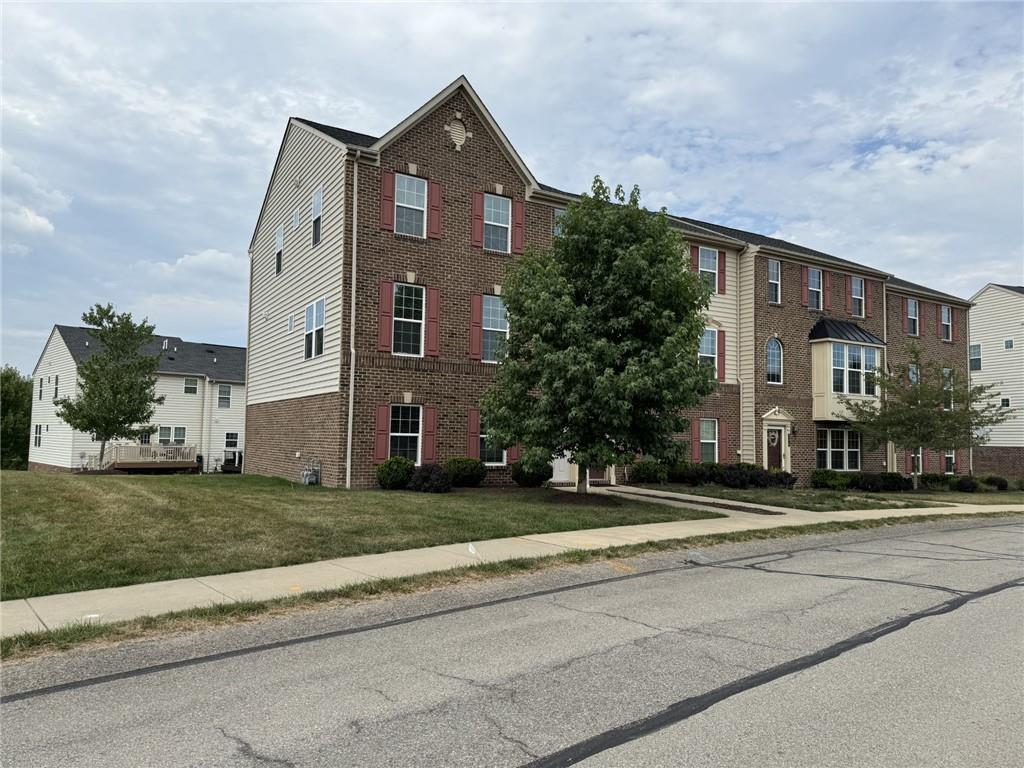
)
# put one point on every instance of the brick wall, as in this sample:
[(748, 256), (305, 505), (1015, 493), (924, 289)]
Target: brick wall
[(311, 427), (36, 466), (993, 460)]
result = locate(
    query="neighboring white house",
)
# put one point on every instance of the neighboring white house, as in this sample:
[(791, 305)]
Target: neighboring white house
[(996, 355), (203, 413)]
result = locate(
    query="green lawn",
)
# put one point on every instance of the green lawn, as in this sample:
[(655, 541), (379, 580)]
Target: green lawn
[(821, 500), (63, 533)]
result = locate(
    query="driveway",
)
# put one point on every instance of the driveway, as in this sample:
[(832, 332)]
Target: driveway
[(898, 646)]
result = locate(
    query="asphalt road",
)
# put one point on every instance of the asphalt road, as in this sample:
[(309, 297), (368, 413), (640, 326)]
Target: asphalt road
[(892, 647)]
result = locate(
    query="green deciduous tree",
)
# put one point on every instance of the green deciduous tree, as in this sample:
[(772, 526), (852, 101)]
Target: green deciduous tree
[(117, 385), (16, 416), (923, 405), (604, 331)]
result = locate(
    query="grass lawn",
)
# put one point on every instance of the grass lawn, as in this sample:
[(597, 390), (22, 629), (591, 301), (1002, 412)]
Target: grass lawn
[(64, 533), (822, 500)]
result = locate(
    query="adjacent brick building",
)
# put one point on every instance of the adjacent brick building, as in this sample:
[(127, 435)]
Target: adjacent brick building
[(375, 309)]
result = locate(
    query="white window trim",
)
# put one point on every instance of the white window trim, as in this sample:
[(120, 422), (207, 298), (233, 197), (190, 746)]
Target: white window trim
[(854, 296), (186, 385), (916, 317), (947, 327), (703, 441), (221, 397), (312, 332), (700, 356), (504, 453), (864, 370), (859, 450), (484, 329), (820, 290), (782, 362), (314, 216), (701, 271), (172, 430), (227, 440), (418, 435), (395, 318), (508, 227), (556, 228), (949, 453), (777, 282), (426, 203), (947, 386), (970, 357), (1007, 344)]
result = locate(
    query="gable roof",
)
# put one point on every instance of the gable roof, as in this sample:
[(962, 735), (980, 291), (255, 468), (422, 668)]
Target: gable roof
[(1014, 288), (900, 285), (215, 361), (349, 138), (831, 328)]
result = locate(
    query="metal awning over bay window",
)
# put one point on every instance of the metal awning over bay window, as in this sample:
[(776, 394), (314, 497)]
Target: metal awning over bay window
[(844, 359)]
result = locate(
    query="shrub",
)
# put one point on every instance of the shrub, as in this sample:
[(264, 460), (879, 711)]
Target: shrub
[(934, 482), (894, 481), (465, 472), (648, 471), (430, 478), (530, 476), (867, 481), (395, 473), (997, 482), (783, 479), (829, 478), (688, 474), (964, 484)]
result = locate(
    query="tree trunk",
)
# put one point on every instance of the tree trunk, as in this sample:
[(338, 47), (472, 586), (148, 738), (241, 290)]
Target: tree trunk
[(103, 448), (582, 485), (915, 478)]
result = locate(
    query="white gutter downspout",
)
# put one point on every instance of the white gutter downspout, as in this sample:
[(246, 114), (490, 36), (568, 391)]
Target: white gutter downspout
[(352, 322), (890, 449), (202, 420)]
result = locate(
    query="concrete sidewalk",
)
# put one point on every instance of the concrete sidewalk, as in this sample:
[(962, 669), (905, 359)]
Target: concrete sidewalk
[(120, 603)]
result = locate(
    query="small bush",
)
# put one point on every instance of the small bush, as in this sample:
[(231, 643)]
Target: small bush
[(395, 473), (964, 484), (829, 478), (648, 471), (688, 474), (783, 479), (430, 478), (935, 482), (867, 481), (465, 472), (997, 482), (894, 481), (530, 476)]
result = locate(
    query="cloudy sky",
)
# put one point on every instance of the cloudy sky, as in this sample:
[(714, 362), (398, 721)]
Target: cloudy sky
[(137, 140)]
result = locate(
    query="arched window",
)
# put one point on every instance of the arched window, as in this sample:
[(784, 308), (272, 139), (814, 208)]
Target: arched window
[(773, 361)]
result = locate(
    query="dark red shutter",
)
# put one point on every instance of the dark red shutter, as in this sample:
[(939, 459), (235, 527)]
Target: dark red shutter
[(908, 462), (803, 284), (385, 315), (433, 322), (428, 455), (954, 317), (721, 355), (828, 291), (513, 453), (383, 433), (387, 200), (473, 434), (721, 272), (938, 321), (724, 457), (849, 294), (906, 317), (435, 228), (695, 440), (695, 258), (478, 220), (868, 296), (518, 215), (476, 322)]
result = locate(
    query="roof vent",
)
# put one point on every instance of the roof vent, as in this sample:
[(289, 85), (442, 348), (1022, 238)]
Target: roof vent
[(165, 344), (87, 343)]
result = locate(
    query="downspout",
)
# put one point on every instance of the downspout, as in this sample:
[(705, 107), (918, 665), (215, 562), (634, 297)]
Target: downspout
[(967, 333), (202, 420), (736, 346), (890, 449), (352, 321)]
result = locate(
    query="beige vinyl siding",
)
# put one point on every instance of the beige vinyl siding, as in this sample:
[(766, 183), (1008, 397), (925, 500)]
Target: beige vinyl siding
[(998, 315), (57, 438), (277, 368), (220, 421), (722, 314), (745, 355)]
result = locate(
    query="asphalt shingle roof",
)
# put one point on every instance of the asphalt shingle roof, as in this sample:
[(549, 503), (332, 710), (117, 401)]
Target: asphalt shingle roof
[(830, 328), (1014, 288), (897, 284), (351, 138), (217, 361)]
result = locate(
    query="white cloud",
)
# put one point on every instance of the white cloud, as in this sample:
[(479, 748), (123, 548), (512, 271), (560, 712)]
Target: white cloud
[(23, 220)]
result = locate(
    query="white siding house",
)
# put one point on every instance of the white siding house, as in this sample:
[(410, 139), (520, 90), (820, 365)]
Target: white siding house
[(203, 386), (996, 355)]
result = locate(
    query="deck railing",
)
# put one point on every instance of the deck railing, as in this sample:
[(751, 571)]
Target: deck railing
[(140, 454)]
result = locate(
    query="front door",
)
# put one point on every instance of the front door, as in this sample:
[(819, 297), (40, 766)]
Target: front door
[(774, 448)]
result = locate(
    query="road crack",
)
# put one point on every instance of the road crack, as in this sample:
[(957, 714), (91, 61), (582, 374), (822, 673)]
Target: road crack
[(245, 749)]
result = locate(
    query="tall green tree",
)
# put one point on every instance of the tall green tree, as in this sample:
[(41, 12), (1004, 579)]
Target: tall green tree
[(923, 405), (16, 418), (604, 330), (117, 385)]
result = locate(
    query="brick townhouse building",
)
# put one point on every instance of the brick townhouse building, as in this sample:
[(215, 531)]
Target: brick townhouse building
[(376, 319)]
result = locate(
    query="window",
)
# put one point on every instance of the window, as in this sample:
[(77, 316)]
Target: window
[(497, 223), (774, 281), (165, 435), (56, 379), (144, 438), (853, 369), (410, 205), (974, 357), (493, 456), (707, 261), (913, 373), (407, 331), (191, 386), (912, 317), (813, 288), (857, 296), (947, 323), (1004, 402), (405, 432), (318, 209), (179, 435), (556, 221), (314, 336), (947, 385), (40, 387), (708, 441), (495, 329), (230, 439), (773, 361), (224, 396), (278, 249), (1008, 344), (915, 461), (838, 449), (37, 440), (164, 438), (708, 353), (949, 463)]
